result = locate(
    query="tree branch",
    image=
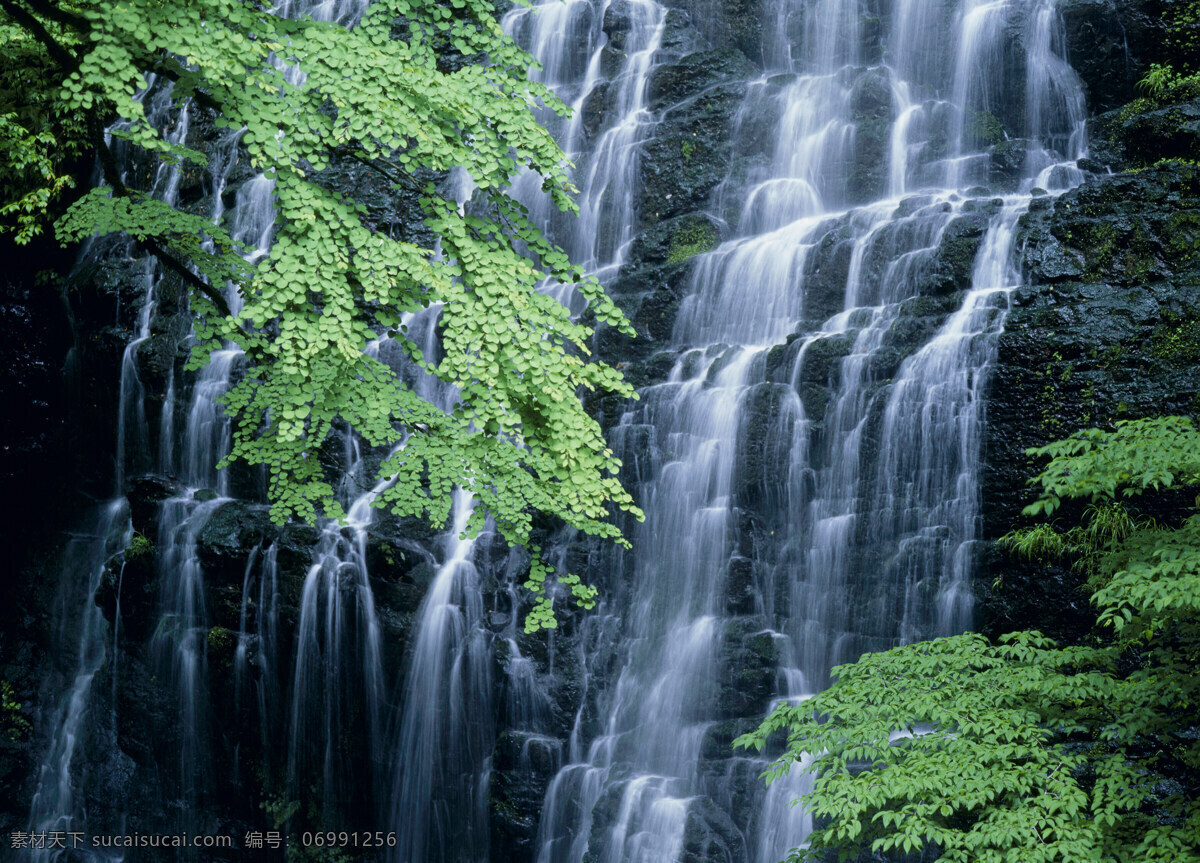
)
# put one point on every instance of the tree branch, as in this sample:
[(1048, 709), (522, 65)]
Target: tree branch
[(399, 180), (54, 13), (64, 58), (112, 173), (181, 269), (174, 73)]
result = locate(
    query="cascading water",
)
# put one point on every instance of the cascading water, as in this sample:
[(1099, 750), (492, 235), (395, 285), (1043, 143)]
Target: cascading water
[(92, 555), (569, 42), (445, 730), (808, 466), (869, 495), (193, 437), (85, 561), (445, 737)]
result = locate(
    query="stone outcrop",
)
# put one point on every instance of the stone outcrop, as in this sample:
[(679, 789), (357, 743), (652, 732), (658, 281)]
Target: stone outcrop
[(1107, 329)]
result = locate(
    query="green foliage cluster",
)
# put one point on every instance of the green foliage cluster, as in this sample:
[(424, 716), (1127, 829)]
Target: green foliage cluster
[(687, 148), (1021, 750), (986, 129), (140, 546), (1183, 33), (694, 238), (1163, 85), (374, 92), (39, 136), (11, 719), (1178, 79), (1177, 339)]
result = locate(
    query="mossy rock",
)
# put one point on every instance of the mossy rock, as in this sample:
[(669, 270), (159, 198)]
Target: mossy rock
[(1150, 136), (693, 235), (220, 646), (1176, 341)]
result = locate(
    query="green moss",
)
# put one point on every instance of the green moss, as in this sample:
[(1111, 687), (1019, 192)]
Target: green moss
[(1139, 257), (691, 239), (1109, 358), (1177, 339), (1139, 105), (221, 645), (687, 148), (140, 546), (1099, 245), (15, 725), (1052, 378), (1183, 236), (986, 129)]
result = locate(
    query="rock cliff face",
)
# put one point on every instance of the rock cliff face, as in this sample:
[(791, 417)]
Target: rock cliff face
[(1106, 327)]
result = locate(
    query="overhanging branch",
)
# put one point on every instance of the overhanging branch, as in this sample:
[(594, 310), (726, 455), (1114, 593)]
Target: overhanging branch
[(108, 164), (63, 57), (54, 13)]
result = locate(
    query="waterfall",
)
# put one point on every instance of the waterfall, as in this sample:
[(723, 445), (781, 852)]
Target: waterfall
[(807, 456), (445, 738), (193, 436), (89, 556), (858, 528), (94, 553)]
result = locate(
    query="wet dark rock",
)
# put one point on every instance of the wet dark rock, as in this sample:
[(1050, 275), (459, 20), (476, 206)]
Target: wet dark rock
[(1162, 133), (710, 835), (749, 657), (719, 737), (871, 107), (654, 318), (763, 446), (294, 548), (145, 495), (523, 765), (740, 590), (679, 33), (694, 76), (595, 108), (618, 22), (954, 261), (1110, 44), (391, 559), (915, 325), (689, 154), (1104, 332), (636, 446), (653, 370), (1008, 163), (821, 359), (228, 537), (128, 592), (735, 23), (826, 270), (1050, 599)]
